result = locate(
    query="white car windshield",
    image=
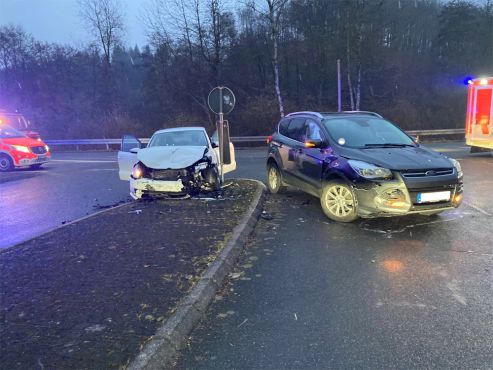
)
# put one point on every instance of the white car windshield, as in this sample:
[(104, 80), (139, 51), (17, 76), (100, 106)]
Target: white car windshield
[(179, 138)]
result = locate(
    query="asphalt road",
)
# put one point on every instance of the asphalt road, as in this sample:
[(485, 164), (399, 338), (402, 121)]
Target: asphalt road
[(401, 293), (407, 292)]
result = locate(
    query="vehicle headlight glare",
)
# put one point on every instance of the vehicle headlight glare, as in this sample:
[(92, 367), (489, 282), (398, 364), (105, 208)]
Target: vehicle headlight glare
[(370, 171), (21, 148), (457, 166), (47, 148), (137, 172)]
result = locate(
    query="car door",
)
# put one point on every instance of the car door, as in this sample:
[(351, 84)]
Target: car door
[(291, 149), (310, 160), (127, 156)]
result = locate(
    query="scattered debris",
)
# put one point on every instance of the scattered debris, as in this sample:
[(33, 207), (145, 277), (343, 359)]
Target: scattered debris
[(95, 328), (266, 216), (236, 275), (295, 316), (136, 211), (242, 323)]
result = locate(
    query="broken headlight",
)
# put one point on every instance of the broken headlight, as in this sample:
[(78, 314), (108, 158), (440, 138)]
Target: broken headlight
[(137, 171), (201, 166), (457, 166), (369, 171)]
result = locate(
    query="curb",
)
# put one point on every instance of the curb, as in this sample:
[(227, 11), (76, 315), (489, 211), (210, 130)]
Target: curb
[(165, 345)]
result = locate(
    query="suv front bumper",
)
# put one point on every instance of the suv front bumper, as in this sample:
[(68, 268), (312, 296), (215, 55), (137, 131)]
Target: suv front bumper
[(399, 196)]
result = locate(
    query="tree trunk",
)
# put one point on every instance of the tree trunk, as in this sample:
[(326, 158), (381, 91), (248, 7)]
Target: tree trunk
[(275, 63)]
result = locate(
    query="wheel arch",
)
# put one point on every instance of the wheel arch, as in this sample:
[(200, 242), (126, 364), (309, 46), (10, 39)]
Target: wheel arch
[(272, 161)]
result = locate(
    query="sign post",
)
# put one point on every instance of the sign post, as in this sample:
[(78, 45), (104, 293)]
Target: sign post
[(221, 101)]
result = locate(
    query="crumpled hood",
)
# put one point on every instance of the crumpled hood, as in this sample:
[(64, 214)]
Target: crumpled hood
[(406, 158), (170, 157)]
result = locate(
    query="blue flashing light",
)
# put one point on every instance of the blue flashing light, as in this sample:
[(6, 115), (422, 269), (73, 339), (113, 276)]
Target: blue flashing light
[(468, 81)]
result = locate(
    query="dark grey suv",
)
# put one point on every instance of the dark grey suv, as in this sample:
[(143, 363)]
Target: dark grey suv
[(360, 164)]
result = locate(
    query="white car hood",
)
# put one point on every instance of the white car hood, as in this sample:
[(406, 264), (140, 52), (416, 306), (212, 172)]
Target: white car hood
[(170, 157)]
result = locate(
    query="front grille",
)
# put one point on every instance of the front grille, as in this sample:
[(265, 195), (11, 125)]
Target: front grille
[(426, 173), (38, 149), (167, 175)]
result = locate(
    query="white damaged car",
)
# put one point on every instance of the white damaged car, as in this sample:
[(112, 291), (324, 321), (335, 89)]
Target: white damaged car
[(177, 162)]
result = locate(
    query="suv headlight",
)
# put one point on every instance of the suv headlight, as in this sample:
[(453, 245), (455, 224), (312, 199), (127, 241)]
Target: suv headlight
[(457, 166), (369, 171)]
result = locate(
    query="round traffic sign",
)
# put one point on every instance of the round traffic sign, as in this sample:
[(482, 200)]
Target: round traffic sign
[(221, 100)]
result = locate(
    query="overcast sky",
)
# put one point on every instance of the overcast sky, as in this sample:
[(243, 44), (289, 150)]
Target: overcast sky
[(58, 20)]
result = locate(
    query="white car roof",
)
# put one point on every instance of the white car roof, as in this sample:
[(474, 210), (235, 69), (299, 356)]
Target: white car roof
[(174, 129)]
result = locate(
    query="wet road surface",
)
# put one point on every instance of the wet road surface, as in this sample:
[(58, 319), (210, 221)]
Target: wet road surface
[(393, 293)]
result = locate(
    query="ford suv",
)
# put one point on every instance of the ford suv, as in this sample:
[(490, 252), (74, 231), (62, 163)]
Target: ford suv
[(360, 165)]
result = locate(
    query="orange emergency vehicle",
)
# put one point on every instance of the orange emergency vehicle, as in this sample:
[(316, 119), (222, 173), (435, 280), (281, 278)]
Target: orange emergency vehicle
[(479, 116)]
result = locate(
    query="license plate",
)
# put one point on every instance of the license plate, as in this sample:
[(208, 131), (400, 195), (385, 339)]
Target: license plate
[(436, 196)]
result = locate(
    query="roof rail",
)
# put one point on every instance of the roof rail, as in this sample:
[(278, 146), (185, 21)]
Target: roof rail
[(305, 112), (363, 111)]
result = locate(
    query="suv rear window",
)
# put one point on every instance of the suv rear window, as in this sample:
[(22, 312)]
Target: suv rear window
[(296, 129)]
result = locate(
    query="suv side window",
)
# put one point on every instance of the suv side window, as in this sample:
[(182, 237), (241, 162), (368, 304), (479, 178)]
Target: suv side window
[(283, 127), (296, 129), (313, 131)]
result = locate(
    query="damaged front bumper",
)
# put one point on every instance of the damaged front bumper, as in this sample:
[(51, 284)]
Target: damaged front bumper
[(399, 196), (144, 186)]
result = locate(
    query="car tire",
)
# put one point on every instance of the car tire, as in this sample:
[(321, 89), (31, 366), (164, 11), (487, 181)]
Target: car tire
[(274, 179), (6, 163), (338, 201)]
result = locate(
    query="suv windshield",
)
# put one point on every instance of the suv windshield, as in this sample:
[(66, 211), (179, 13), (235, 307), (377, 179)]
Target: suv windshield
[(7, 132), (179, 138), (365, 132)]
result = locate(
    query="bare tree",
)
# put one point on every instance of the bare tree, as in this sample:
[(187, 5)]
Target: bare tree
[(104, 19), (273, 14)]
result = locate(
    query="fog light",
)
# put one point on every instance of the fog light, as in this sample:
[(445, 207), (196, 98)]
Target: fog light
[(397, 204), (458, 198)]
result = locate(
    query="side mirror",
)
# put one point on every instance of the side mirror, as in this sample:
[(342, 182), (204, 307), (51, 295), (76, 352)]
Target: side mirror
[(134, 150), (214, 144), (314, 144)]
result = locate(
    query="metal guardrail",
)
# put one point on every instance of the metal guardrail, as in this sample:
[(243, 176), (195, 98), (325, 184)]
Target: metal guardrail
[(235, 139)]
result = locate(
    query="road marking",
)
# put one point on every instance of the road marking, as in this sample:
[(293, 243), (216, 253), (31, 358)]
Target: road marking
[(101, 169), (82, 161), (480, 210)]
